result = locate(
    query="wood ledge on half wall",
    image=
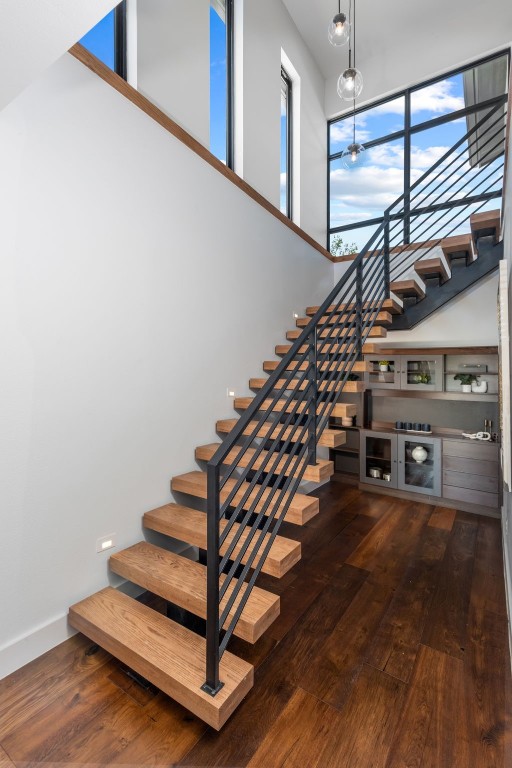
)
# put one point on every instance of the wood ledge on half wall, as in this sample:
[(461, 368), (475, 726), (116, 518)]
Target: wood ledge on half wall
[(377, 349), (89, 60)]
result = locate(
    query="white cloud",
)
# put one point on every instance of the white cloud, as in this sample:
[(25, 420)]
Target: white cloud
[(437, 98)]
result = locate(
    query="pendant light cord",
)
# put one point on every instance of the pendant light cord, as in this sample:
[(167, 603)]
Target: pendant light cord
[(354, 37), (350, 37)]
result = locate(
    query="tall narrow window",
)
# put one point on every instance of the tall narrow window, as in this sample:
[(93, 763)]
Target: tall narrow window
[(221, 80), (107, 40), (286, 145)]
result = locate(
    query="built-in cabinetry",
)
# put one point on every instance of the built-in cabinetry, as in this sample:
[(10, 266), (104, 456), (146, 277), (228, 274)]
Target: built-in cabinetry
[(421, 373), (471, 471), (418, 386), (405, 462)]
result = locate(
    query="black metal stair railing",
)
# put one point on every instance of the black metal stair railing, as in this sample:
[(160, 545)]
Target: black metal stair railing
[(439, 203), (255, 473), (294, 405)]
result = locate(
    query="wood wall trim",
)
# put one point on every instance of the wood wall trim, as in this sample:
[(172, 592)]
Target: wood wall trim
[(140, 101)]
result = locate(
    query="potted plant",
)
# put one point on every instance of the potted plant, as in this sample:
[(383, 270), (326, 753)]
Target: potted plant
[(466, 379), (384, 365)]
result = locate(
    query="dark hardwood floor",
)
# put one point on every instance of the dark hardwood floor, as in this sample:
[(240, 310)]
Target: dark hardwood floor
[(391, 651)]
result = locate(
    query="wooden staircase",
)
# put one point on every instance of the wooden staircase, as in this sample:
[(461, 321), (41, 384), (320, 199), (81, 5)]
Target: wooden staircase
[(170, 655), (438, 279)]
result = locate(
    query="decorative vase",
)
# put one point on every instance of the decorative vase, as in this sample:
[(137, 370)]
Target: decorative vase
[(419, 454), (479, 388), (466, 388), (384, 368)]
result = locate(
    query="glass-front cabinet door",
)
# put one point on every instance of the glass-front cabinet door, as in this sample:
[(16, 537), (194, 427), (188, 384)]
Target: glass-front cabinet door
[(382, 374), (378, 462), (422, 372), (419, 464)]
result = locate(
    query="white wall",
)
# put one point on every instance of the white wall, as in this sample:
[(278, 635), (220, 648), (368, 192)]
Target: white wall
[(34, 33), (137, 285), (173, 61), (268, 28)]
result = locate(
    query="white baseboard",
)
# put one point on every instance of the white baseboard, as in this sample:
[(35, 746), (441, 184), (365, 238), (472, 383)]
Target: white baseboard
[(27, 648), (22, 650)]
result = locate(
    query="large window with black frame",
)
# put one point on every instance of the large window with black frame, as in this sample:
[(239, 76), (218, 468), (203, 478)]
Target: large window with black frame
[(404, 136)]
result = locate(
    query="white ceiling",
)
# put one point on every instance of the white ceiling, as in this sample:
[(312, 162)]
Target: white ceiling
[(394, 24), (402, 42)]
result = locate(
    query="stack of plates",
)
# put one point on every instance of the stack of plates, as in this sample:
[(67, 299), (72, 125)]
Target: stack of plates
[(347, 422)]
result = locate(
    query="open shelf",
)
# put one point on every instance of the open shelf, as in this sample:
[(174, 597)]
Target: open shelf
[(470, 397)]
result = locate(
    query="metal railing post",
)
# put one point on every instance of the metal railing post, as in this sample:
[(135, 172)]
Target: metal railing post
[(313, 389), (212, 684), (359, 309), (387, 292)]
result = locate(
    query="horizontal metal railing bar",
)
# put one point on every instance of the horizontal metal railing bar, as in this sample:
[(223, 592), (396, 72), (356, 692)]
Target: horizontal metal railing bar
[(257, 570), (254, 530), (264, 413), (483, 198), (280, 394), (464, 160), (468, 202), (255, 527), (441, 160), (253, 484), (445, 179), (396, 275)]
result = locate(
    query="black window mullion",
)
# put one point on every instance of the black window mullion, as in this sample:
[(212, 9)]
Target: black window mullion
[(407, 167), (287, 83), (230, 85), (120, 51)]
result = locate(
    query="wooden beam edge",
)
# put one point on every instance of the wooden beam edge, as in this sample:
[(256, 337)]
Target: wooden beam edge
[(121, 86)]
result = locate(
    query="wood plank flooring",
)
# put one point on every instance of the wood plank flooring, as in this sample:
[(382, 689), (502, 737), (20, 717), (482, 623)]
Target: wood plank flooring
[(391, 651)]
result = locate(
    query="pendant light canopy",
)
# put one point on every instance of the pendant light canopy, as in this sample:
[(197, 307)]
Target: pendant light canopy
[(338, 30)]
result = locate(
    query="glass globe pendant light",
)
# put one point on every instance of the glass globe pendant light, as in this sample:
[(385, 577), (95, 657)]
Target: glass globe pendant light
[(350, 84), (338, 30), (354, 156)]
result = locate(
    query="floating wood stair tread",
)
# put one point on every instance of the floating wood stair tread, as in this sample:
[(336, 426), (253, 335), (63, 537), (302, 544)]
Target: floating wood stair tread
[(330, 333), (383, 318), (316, 473), (360, 366), (330, 438), (391, 305), (432, 268), (486, 223), (349, 386), (183, 582), (407, 288), (302, 507), (339, 411), (333, 346), (459, 245), (189, 525), (165, 653)]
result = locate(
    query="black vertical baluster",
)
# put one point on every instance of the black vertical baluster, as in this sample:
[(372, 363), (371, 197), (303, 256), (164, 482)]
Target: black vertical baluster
[(386, 256), (212, 684), (313, 393), (359, 308)]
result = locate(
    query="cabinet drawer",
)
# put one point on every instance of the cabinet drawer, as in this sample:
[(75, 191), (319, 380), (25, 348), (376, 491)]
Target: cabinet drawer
[(474, 482), (473, 466), (471, 450), (470, 496)]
